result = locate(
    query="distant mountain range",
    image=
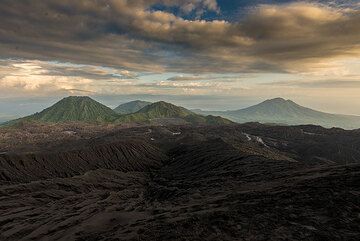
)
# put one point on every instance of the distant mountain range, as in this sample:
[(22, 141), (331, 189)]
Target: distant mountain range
[(131, 107), (286, 112), (85, 109), (274, 111)]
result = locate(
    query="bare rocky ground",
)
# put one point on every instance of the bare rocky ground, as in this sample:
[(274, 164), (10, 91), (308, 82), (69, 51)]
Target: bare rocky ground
[(242, 182)]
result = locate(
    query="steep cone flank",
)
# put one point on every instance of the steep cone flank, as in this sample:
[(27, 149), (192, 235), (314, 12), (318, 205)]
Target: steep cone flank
[(75, 108)]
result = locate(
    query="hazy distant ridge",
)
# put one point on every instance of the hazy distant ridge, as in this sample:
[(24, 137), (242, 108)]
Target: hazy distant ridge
[(131, 107), (281, 111)]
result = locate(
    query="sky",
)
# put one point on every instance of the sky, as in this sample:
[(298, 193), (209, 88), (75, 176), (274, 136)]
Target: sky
[(208, 54)]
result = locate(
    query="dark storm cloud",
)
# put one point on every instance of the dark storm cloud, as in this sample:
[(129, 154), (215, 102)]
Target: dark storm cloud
[(129, 34)]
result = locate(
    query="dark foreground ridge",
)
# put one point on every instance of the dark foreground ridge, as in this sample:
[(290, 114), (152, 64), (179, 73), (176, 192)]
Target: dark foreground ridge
[(244, 182)]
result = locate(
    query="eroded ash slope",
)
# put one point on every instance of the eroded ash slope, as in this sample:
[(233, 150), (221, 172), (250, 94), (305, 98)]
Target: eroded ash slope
[(243, 182)]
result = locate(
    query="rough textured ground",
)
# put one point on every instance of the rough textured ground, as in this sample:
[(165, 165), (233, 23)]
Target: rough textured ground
[(246, 182)]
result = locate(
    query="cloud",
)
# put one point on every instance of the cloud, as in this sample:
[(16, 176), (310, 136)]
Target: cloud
[(133, 35), (340, 84), (36, 77), (185, 78), (74, 91), (303, 33), (41, 78), (211, 77)]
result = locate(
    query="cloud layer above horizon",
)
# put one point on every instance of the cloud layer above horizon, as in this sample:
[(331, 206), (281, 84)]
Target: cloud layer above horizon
[(178, 46), (296, 36)]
